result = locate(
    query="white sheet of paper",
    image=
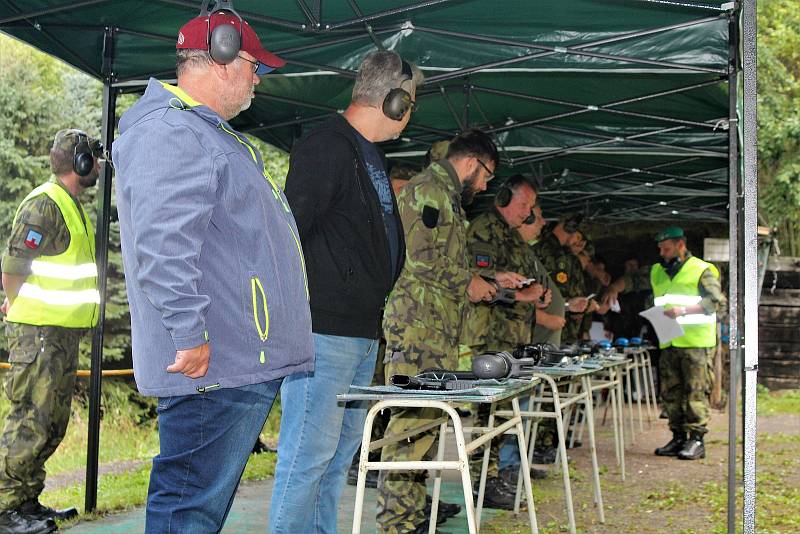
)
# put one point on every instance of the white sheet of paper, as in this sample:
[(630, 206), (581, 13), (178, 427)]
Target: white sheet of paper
[(666, 328)]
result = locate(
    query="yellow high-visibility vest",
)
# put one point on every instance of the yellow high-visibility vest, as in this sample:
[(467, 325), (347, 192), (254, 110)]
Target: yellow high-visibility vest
[(700, 329), (62, 289)]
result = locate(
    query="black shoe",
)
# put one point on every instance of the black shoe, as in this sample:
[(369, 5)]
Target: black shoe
[(510, 475), (694, 448), (663, 414), (496, 494), (352, 477), (545, 455), (446, 510), (423, 529), (39, 511), (16, 522), (674, 446)]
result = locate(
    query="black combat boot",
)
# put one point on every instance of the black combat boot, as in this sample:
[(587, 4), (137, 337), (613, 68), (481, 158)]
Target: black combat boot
[(16, 522), (674, 446), (446, 510), (496, 494), (372, 475), (694, 448), (36, 509)]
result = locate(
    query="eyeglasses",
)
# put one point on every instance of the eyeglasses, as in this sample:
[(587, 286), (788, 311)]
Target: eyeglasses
[(256, 64), (490, 174)]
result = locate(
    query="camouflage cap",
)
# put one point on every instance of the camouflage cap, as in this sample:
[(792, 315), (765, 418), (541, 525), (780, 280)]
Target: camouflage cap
[(66, 139), (438, 150), (670, 232)]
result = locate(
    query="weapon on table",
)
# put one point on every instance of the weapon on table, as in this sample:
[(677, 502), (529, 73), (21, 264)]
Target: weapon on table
[(436, 380)]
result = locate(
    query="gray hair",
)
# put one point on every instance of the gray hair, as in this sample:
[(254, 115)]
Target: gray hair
[(380, 72), (191, 58)]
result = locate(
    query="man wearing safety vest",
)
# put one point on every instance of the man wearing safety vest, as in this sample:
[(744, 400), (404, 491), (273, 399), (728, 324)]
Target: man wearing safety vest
[(689, 290), (50, 281)]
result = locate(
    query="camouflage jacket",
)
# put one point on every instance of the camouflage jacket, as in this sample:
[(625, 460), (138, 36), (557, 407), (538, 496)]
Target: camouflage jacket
[(38, 230), (496, 246), (563, 267), (431, 292)]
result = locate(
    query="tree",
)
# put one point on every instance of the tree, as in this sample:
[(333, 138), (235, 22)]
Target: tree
[(779, 119)]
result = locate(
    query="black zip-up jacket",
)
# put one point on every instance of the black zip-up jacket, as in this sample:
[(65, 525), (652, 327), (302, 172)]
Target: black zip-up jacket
[(339, 217)]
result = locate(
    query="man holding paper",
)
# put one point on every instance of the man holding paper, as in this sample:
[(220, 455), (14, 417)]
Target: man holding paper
[(689, 291)]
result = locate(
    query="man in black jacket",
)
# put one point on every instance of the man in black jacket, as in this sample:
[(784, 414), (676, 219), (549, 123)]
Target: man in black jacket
[(352, 239)]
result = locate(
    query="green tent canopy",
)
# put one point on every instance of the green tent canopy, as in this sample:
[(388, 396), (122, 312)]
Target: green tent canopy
[(618, 108), (625, 110)]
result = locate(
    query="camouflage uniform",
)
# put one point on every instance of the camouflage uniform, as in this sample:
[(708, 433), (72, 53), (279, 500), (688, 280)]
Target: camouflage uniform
[(44, 359), (422, 325), (495, 246), (566, 271), (686, 374)]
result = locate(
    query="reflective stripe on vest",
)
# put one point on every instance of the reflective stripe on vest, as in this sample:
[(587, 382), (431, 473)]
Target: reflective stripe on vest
[(700, 329), (61, 290)]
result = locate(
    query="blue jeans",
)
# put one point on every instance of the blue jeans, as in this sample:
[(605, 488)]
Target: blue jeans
[(206, 440), (319, 435), (509, 449)]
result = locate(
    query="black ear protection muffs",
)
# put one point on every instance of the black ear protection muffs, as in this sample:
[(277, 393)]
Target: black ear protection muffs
[(506, 191), (573, 224), (225, 41), (83, 156), (398, 101), (504, 194)]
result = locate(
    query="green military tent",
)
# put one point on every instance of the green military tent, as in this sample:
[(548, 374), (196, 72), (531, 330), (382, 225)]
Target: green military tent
[(626, 110)]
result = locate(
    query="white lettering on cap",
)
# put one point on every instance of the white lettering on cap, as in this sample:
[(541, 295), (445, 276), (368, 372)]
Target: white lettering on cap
[(181, 38)]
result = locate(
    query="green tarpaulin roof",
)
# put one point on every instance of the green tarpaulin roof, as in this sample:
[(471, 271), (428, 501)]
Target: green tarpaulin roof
[(619, 107)]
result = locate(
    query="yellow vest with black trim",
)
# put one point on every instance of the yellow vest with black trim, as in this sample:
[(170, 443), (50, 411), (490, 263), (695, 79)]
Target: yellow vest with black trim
[(700, 329), (62, 289)]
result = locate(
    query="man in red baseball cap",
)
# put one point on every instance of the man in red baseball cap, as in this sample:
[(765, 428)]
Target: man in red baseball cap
[(197, 35), (204, 226)]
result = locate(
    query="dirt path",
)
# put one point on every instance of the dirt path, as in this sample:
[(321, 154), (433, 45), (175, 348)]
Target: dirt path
[(665, 494), (78, 476)]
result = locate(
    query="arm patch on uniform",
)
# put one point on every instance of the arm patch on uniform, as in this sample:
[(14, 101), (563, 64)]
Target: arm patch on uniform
[(33, 239), (483, 261), (562, 277), (430, 216)]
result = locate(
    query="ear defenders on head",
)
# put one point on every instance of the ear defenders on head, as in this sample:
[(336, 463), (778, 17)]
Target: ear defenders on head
[(224, 41), (573, 224), (398, 100), (83, 156), (504, 194)]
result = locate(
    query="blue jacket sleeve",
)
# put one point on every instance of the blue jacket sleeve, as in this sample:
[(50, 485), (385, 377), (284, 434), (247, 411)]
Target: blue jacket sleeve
[(171, 204)]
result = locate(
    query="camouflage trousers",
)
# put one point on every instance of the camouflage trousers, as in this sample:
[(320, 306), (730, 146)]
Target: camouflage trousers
[(686, 376), (401, 494), (39, 385)]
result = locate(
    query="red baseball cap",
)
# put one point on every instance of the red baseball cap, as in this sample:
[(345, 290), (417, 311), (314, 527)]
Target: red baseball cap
[(195, 35)]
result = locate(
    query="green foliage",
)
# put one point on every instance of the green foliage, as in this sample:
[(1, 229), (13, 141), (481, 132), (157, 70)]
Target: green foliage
[(779, 119)]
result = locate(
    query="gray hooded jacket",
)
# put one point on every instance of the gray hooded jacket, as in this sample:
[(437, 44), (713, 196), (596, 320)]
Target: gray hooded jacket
[(210, 249)]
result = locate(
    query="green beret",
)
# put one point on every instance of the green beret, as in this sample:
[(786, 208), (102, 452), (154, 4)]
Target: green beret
[(670, 232)]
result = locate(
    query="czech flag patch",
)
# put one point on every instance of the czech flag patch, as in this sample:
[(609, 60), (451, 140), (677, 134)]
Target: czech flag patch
[(483, 261), (33, 240)]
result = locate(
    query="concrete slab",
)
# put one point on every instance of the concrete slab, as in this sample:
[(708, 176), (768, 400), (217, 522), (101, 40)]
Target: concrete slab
[(250, 513)]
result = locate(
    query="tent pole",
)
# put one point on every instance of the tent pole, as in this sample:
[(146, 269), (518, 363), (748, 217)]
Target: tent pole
[(735, 287), (750, 244), (101, 245)]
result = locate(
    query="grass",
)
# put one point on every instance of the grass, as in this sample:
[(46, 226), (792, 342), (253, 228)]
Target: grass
[(777, 402)]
